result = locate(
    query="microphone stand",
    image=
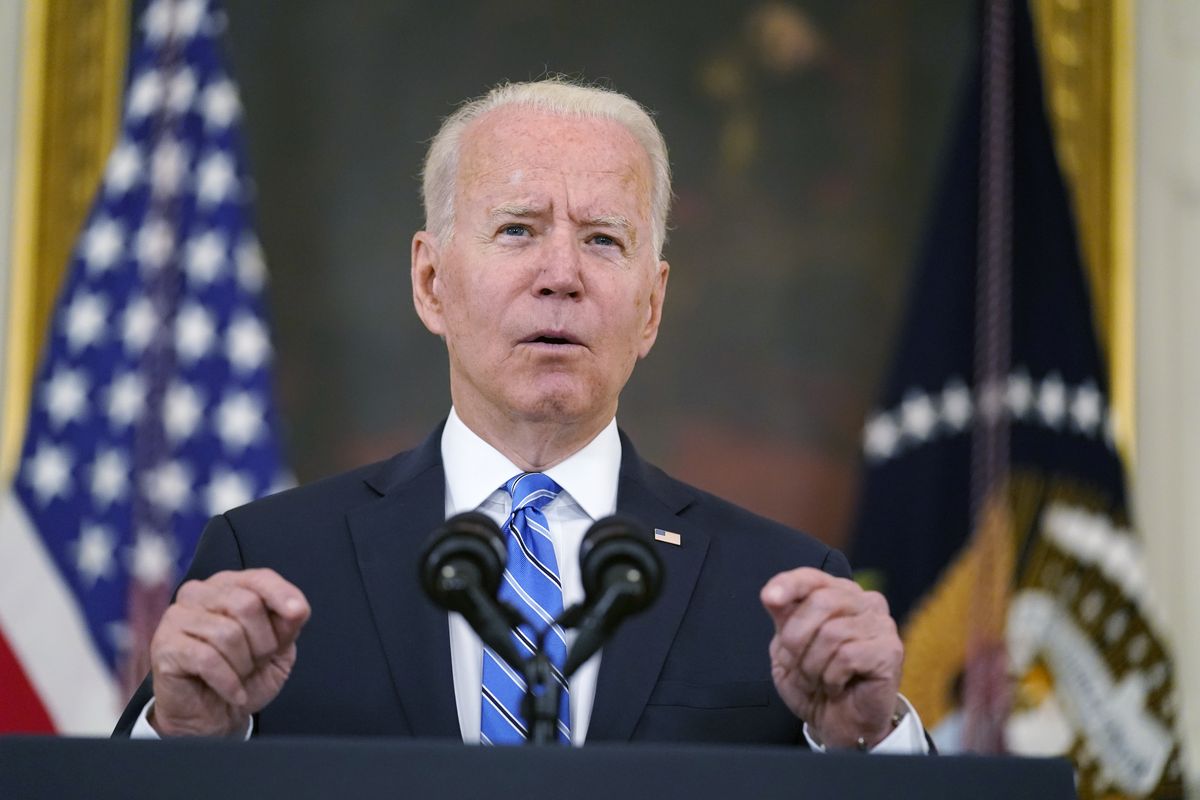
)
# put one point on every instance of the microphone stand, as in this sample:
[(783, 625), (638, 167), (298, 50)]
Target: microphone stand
[(542, 695), (597, 618), (542, 690)]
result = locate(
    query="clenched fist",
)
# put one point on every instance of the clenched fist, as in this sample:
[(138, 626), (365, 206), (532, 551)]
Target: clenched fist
[(836, 655), (223, 650)]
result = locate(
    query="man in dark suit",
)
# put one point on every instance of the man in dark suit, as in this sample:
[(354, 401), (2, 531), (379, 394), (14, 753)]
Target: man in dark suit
[(540, 268)]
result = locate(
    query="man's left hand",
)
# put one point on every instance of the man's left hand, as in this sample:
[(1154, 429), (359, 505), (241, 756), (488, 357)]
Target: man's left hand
[(836, 656)]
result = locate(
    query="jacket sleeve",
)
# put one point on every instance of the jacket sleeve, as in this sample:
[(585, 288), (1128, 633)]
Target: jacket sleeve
[(218, 550), (836, 564)]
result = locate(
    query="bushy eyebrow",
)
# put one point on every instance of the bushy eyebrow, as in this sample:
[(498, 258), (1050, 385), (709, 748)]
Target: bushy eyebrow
[(610, 221), (522, 210), (513, 210)]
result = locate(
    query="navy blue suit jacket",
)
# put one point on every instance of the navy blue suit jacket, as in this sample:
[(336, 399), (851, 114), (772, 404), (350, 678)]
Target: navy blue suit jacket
[(374, 659)]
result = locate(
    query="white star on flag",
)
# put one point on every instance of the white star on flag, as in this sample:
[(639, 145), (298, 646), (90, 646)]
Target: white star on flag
[(881, 437), (194, 333), (1052, 400), (49, 472), (84, 320), (189, 16), (179, 20), (94, 554), (168, 163), (126, 399), (139, 323), (1020, 394), (205, 255), (228, 489), (251, 268), (220, 105), (124, 169), (110, 477), (156, 22), (168, 486), (65, 396), (247, 344), (150, 559), (239, 420), (181, 89), (1087, 408), (215, 179), (183, 409), (154, 244), (917, 416), (956, 404), (102, 244), (145, 93)]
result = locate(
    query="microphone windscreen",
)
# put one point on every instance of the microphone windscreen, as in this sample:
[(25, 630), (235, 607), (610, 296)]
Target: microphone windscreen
[(470, 539), (611, 549)]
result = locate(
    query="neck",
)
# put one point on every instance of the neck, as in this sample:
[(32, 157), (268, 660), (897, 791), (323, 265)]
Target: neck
[(533, 445)]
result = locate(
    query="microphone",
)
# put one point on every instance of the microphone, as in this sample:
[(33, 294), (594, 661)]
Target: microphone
[(621, 574), (461, 568)]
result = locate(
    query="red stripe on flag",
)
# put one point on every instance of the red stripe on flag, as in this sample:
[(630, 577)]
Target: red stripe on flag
[(22, 710)]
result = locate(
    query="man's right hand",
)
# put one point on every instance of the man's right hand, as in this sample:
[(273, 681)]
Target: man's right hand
[(223, 651)]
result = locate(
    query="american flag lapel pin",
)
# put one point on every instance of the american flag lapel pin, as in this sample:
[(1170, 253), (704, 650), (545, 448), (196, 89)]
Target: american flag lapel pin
[(668, 537)]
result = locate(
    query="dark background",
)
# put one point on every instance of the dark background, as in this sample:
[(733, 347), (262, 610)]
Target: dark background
[(804, 138)]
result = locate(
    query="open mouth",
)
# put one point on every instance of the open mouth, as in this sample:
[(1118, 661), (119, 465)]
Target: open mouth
[(552, 338)]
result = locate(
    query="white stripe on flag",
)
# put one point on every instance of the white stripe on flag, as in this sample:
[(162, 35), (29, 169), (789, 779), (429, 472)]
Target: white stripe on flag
[(47, 633)]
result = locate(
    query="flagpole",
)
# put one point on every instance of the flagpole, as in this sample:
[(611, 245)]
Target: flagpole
[(985, 685)]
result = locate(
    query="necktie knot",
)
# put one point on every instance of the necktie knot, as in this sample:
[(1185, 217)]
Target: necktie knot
[(531, 490)]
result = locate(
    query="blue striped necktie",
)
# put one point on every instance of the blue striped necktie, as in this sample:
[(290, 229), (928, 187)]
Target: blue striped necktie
[(532, 586)]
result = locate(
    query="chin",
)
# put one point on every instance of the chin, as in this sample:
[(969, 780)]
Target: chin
[(564, 407)]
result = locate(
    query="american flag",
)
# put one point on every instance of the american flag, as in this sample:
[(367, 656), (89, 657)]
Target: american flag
[(152, 408)]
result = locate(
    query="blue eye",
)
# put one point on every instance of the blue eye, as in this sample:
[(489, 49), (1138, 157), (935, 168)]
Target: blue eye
[(514, 230), (603, 240)]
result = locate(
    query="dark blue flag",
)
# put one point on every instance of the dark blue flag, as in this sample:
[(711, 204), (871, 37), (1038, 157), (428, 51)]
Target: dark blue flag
[(994, 513)]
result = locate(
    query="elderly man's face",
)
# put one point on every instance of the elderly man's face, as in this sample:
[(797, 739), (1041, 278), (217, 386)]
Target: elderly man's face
[(550, 289)]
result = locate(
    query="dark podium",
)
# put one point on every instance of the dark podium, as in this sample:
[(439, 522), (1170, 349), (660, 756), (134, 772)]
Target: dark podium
[(42, 767)]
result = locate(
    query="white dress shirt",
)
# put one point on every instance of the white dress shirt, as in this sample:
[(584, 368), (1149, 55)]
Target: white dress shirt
[(475, 476)]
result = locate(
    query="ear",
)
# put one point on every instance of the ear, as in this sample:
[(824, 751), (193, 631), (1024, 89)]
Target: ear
[(426, 281), (658, 293)]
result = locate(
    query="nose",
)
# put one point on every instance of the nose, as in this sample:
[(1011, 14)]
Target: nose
[(560, 268)]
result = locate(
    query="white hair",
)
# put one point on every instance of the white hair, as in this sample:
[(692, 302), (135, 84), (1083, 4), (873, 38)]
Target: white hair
[(556, 96)]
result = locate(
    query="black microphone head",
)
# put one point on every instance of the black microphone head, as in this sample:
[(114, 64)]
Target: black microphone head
[(618, 548), (466, 547)]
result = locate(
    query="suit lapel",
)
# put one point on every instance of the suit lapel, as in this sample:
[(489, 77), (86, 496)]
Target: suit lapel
[(387, 534), (630, 664)]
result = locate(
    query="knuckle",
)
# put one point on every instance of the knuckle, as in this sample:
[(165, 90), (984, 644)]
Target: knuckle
[(794, 636), (205, 659), (261, 578), (171, 617), (242, 603), (189, 591), (879, 603), (848, 585), (226, 633)]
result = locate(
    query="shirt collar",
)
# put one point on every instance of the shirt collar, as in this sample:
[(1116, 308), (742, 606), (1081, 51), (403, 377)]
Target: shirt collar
[(474, 470)]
